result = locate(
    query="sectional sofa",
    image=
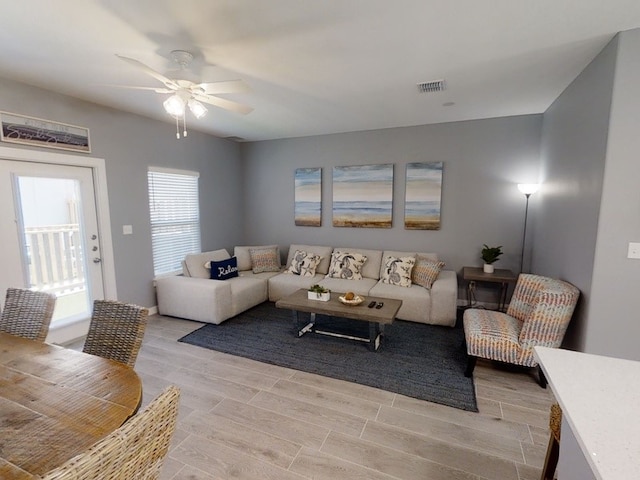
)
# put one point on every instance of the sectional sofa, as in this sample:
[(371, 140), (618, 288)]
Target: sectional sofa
[(195, 296)]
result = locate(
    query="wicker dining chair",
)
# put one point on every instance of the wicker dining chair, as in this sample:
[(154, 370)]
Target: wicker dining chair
[(136, 450), (116, 331), (27, 313)]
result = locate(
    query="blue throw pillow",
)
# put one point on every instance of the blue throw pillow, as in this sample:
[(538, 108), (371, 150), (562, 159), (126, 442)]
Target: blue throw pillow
[(224, 269)]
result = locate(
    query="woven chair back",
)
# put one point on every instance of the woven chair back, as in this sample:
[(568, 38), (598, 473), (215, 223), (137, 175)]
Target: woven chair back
[(27, 313), (551, 306), (134, 451), (116, 331)]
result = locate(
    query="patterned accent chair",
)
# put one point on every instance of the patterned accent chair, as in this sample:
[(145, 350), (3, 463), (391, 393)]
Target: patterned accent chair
[(539, 313)]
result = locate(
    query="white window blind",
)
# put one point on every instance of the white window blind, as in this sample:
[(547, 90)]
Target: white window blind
[(175, 217)]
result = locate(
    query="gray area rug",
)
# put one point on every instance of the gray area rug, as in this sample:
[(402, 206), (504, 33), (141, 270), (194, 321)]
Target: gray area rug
[(416, 360)]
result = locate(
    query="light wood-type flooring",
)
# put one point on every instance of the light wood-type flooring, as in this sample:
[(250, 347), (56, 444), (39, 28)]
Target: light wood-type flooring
[(241, 419)]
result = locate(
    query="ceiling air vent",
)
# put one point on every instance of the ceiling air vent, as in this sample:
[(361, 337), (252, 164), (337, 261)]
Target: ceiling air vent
[(433, 86)]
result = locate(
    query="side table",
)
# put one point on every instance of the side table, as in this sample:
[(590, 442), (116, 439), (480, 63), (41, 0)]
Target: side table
[(502, 276)]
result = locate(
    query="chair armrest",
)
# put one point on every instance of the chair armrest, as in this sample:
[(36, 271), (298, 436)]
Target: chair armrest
[(444, 298), (199, 299)]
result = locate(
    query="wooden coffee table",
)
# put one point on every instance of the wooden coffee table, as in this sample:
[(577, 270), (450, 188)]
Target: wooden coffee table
[(376, 317)]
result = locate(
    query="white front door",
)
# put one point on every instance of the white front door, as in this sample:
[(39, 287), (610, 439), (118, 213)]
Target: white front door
[(49, 235)]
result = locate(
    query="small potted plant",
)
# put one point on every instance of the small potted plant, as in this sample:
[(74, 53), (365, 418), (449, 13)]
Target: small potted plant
[(490, 255), (318, 292)]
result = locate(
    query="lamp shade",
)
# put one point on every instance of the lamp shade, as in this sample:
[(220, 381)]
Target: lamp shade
[(528, 188), (174, 106), (197, 108)]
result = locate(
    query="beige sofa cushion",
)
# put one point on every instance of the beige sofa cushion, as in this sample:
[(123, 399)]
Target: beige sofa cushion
[(416, 301), (193, 265), (340, 285)]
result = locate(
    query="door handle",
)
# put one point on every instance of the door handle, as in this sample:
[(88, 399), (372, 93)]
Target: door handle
[(97, 260)]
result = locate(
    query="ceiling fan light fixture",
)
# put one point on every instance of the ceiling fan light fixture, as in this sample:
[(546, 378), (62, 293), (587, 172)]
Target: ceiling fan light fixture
[(174, 106), (197, 108)]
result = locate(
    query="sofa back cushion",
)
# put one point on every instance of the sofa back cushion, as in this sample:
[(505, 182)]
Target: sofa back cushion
[(193, 265), (242, 253), (371, 268), (324, 252)]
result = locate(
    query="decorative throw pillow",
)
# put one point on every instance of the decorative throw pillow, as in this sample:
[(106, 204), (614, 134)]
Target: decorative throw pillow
[(346, 265), (397, 271), (224, 269), (304, 264), (264, 260), (426, 271)]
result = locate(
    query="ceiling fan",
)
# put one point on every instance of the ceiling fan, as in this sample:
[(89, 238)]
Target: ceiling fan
[(188, 94)]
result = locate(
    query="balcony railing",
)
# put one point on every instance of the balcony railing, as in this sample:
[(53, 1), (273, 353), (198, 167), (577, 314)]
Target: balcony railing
[(55, 258)]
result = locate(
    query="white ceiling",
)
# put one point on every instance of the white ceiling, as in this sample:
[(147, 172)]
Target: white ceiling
[(315, 66)]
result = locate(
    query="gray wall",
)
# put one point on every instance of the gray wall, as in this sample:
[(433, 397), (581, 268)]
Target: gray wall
[(483, 162), (129, 144), (574, 144), (614, 321), (590, 206)]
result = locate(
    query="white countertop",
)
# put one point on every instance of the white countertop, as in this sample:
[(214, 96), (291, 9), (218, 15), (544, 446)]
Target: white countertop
[(600, 399)]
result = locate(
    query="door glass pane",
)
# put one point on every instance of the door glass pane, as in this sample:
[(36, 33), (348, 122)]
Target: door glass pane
[(52, 243)]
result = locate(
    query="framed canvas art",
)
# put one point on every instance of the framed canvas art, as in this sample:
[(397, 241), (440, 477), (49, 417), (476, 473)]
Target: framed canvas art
[(423, 195), (308, 197), (363, 196)]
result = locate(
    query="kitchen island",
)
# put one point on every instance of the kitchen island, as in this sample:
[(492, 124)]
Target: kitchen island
[(600, 401)]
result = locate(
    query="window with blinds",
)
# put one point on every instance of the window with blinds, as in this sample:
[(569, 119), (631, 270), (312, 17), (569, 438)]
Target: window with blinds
[(175, 218)]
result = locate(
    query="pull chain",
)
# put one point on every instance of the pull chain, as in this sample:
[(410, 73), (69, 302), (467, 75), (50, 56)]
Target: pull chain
[(184, 124)]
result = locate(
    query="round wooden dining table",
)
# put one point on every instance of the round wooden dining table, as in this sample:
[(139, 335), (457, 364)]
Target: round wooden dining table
[(56, 402)]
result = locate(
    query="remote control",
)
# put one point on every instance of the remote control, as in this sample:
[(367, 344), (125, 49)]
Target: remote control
[(372, 304)]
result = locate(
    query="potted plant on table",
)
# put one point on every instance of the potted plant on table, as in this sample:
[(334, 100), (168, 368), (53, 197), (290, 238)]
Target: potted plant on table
[(318, 292), (490, 255)]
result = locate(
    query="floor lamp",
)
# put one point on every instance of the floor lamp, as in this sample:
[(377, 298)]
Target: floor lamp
[(528, 189)]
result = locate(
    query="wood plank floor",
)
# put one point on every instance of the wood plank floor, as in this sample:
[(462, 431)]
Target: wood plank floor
[(241, 419)]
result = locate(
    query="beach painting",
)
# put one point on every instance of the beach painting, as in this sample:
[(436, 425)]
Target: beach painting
[(308, 197), (363, 196), (423, 196)]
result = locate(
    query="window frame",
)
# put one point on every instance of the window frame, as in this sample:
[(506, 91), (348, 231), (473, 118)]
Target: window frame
[(174, 217)]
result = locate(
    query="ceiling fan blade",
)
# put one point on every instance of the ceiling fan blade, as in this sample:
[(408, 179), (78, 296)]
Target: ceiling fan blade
[(132, 87), (149, 71), (231, 86), (224, 103)]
